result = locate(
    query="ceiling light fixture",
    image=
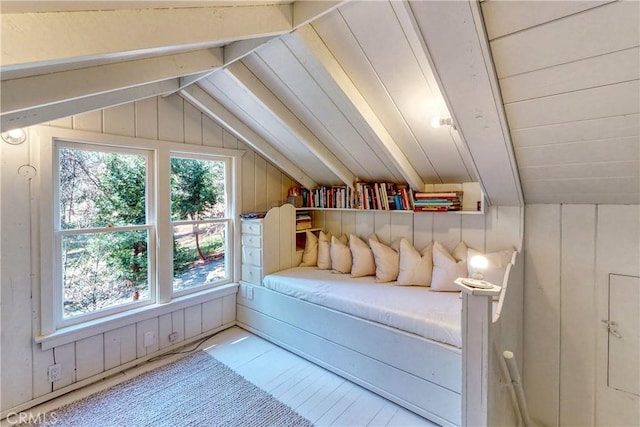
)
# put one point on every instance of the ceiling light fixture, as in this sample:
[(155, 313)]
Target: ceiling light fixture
[(438, 121), (14, 136)]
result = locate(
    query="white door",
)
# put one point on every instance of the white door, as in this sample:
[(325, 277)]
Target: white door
[(618, 384)]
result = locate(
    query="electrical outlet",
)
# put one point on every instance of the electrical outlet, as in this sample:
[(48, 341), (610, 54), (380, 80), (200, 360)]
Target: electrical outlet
[(148, 339), (249, 292), (173, 336), (54, 372)]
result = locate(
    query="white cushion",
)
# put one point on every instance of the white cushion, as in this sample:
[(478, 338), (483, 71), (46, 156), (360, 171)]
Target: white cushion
[(387, 261), (310, 254), (324, 254), (363, 262), (497, 265), (446, 269), (415, 267), (460, 252), (340, 255)]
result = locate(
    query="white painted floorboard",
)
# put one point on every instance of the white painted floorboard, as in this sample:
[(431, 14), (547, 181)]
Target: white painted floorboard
[(320, 396)]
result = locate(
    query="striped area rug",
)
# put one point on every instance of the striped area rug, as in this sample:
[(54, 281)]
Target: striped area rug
[(196, 390)]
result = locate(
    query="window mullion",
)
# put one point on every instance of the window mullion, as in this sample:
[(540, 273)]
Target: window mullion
[(163, 227)]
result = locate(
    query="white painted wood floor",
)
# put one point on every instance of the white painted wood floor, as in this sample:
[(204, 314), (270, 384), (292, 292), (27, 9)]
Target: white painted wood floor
[(320, 396)]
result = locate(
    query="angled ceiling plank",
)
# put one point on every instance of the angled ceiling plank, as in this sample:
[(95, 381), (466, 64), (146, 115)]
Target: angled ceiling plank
[(209, 106), (461, 60), (408, 23), (38, 115), (269, 101), (19, 96), (34, 39), (318, 60)]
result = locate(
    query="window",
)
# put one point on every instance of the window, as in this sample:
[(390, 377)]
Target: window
[(103, 232), (200, 221), (114, 204)]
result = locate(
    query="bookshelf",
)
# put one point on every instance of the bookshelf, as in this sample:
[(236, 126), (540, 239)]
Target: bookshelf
[(342, 198), (304, 223)]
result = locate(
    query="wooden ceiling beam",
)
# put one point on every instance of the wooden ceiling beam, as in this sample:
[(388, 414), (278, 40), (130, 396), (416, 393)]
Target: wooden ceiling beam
[(216, 111), (34, 39), (41, 114), (232, 52), (325, 69), (303, 12), (26, 100), (244, 77)]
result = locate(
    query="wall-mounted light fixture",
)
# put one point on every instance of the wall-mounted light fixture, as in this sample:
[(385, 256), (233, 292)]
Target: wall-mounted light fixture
[(438, 121), (14, 136)]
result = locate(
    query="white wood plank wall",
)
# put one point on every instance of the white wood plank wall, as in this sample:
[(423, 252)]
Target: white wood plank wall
[(570, 250), (23, 363), (499, 228)]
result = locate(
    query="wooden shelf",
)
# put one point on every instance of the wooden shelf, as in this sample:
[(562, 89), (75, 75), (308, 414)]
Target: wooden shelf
[(472, 195), (392, 211), (308, 229)]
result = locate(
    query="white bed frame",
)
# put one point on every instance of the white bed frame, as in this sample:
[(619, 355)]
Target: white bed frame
[(442, 383)]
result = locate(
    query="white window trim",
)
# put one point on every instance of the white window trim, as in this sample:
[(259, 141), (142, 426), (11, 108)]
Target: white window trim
[(44, 138), (227, 219), (149, 226)]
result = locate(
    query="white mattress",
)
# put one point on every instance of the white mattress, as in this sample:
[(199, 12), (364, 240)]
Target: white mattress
[(433, 315)]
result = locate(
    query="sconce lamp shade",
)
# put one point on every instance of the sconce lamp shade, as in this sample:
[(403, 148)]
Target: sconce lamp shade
[(14, 136), (478, 263)]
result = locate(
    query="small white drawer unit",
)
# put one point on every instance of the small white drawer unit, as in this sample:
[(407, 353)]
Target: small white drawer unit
[(268, 244), (252, 251)]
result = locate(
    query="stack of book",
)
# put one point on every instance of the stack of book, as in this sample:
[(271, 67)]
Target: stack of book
[(438, 202), (383, 196), (303, 221)]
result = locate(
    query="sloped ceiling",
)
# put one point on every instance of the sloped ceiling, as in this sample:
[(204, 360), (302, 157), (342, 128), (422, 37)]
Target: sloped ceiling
[(295, 97), (341, 90), (345, 103), (569, 74)]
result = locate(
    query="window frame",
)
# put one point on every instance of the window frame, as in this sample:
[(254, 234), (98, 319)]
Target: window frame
[(45, 138), (227, 220), (59, 232)]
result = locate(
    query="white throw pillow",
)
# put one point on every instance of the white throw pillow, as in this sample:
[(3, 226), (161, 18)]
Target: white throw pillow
[(415, 267), (324, 253), (497, 265), (340, 255), (446, 269), (310, 254), (387, 261), (460, 252), (363, 262)]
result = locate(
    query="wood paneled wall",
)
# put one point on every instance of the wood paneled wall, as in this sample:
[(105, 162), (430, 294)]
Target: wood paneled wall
[(499, 228), (570, 250), (23, 363)]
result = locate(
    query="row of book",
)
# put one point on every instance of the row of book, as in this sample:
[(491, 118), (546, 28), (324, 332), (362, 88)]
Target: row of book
[(364, 195), (438, 202), (379, 196), (383, 196)]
